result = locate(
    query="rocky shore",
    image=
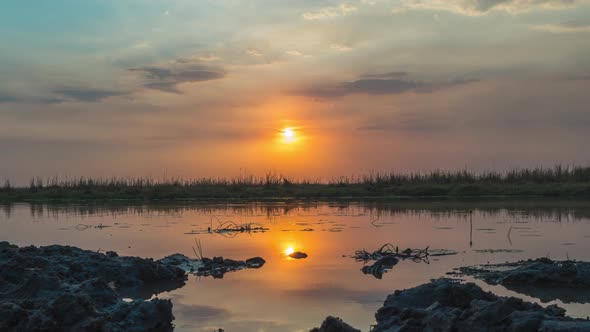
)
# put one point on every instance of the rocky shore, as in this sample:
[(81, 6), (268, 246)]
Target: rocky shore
[(63, 288), (448, 305), (543, 278)]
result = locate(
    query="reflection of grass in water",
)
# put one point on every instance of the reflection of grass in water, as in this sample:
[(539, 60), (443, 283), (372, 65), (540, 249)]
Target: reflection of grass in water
[(496, 251), (557, 181)]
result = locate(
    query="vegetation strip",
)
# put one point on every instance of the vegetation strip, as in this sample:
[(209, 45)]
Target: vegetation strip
[(551, 182)]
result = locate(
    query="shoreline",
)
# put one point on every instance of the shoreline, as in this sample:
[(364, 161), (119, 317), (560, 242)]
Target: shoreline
[(297, 192)]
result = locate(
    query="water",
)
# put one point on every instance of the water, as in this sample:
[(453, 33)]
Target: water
[(295, 295)]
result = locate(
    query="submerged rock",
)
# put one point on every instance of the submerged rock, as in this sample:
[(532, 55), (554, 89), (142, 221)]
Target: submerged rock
[(382, 265), (216, 267), (298, 255), (255, 262), (542, 278), (62, 288), (447, 305)]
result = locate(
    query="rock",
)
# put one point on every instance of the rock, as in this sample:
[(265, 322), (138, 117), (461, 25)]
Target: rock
[(112, 254), (333, 324), (61, 288), (298, 255), (215, 267), (446, 305), (542, 278), (380, 266), (255, 262), (231, 262)]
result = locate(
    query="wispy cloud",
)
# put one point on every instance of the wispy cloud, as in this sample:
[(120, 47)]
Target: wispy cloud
[(482, 7), (375, 86), (254, 52), (87, 94), (166, 79), (393, 74), (330, 12), (340, 47), (13, 99), (4, 99), (578, 77), (566, 27), (293, 53), (195, 59)]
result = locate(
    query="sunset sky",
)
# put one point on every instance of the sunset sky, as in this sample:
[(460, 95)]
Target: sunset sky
[(207, 87)]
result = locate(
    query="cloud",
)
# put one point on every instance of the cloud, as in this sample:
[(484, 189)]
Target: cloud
[(375, 86), (8, 99), (340, 47), (393, 74), (208, 58), (293, 53), (571, 26), (163, 86), (510, 107), (330, 12), (196, 59), (87, 94), (578, 77), (166, 79), (254, 52), (415, 122), (482, 7)]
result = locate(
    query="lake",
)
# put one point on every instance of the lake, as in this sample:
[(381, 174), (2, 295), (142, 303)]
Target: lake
[(295, 295)]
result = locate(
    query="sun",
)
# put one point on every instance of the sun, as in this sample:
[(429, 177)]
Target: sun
[(289, 135)]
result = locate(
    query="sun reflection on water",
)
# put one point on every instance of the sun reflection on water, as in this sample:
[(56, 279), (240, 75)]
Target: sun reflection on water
[(289, 251)]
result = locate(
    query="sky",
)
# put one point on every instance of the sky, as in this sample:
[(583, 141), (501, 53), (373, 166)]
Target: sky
[(199, 88)]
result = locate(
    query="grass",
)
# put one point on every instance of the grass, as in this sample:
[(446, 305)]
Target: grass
[(556, 181)]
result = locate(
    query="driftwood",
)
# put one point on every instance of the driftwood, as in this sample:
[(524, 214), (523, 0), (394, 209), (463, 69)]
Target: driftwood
[(230, 228), (416, 255), (83, 227), (387, 257)]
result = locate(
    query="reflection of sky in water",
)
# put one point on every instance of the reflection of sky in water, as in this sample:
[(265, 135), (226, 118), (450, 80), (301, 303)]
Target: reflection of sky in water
[(295, 295)]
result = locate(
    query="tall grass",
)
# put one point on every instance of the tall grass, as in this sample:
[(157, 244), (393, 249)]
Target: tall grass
[(555, 181), (539, 175), (557, 174)]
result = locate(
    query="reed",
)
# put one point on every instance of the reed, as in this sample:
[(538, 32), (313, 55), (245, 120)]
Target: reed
[(555, 181)]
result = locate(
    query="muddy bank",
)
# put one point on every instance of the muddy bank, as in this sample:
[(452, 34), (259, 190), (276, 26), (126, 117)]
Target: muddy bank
[(543, 278), (447, 305)]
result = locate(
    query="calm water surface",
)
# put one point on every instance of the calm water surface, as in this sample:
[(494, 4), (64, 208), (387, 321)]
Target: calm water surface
[(295, 295)]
